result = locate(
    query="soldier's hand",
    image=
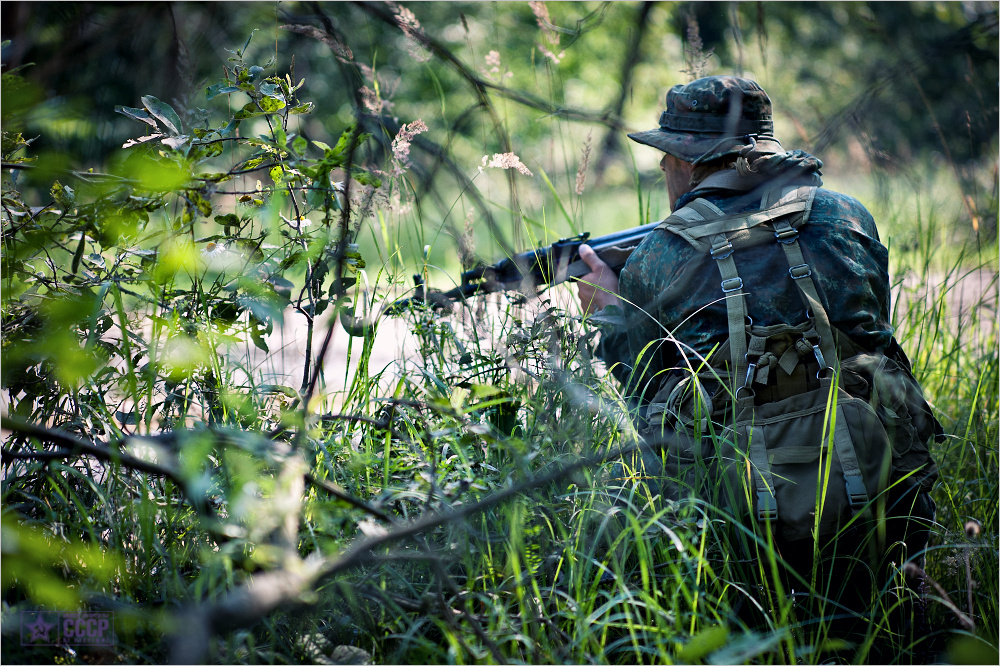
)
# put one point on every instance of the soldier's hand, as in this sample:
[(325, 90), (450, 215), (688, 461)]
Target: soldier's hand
[(599, 287)]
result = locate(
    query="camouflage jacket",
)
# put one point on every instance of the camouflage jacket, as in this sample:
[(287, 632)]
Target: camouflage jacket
[(675, 308)]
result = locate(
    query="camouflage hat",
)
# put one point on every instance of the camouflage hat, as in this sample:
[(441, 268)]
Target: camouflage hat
[(709, 118)]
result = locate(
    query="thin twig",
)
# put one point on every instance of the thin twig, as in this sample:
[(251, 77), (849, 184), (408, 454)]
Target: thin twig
[(337, 287), (341, 494), (74, 446)]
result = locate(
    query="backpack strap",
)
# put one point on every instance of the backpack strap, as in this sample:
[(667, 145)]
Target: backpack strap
[(857, 494), (800, 271), (703, 225)]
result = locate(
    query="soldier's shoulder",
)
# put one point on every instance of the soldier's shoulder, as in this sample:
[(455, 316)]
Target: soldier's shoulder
[(837, 205)]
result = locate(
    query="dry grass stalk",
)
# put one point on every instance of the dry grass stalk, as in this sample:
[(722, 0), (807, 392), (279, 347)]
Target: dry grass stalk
[(695, 55), (581, 173)]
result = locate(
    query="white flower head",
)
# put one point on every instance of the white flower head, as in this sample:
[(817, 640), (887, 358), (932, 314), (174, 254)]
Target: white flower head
[(509, 161)]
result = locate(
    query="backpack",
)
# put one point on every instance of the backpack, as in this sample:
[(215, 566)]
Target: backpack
[(791, 425)]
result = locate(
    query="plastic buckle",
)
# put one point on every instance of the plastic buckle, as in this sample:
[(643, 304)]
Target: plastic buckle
[(800, 271), (736, 284), (819, 357), (857, 494), (767, 506), (823, 367), (787, 236), (717, 251), (751, 369)]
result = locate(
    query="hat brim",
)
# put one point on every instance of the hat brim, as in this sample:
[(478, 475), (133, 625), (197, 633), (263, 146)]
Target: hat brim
[(689, 146)]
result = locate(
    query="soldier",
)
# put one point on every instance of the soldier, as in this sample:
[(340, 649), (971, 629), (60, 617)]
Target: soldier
[(735, 322)]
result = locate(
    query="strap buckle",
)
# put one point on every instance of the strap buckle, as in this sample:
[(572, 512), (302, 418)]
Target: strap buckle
[(787, 235), (767, 506), (857, 494), (720, 252), (800, 271), (821, 360), (732, 284)]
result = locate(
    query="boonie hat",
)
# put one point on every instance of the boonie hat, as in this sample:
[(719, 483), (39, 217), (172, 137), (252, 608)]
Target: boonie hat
[(709, 118)]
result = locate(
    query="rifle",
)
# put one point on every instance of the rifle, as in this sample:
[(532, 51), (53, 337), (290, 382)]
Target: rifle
[(547, 265)]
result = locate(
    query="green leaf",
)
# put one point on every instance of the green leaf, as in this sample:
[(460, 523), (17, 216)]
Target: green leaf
[(164, 113), (367, 179), (258, 339), (248, 111), (95, 259), (214, 177), (299, 145), (272, 104), (137, 114), (220, 88), (344, 139), (322, 146), (270, 89), (253, 163), (229, 129), (227, 220), (305, 107), (243, 50), (208, 150), (282, 287), (176, 142), (64, 195), (203, 205), (158, 175)]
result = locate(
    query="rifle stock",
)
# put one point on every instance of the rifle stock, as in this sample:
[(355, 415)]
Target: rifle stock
[(544, 266)]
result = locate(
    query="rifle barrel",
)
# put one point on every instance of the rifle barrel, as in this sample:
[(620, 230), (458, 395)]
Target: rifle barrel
[(550, 264)]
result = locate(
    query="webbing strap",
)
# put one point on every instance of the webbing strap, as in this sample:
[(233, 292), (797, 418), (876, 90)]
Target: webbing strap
[(767, 503), (748, 221), (689, 218), (732, 285), (681, 222), (706, 208), (736, 312), (758, 345), (801, 273), (789, 360), (857, 494)]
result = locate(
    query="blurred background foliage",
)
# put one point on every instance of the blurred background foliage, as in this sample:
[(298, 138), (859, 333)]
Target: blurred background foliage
[(884, 88)]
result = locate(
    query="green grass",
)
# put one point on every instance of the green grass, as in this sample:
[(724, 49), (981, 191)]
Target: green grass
[(549, 575)]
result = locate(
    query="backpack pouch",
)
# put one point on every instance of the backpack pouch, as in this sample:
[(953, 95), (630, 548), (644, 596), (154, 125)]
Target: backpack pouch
[(723, 467), (805, 466)]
